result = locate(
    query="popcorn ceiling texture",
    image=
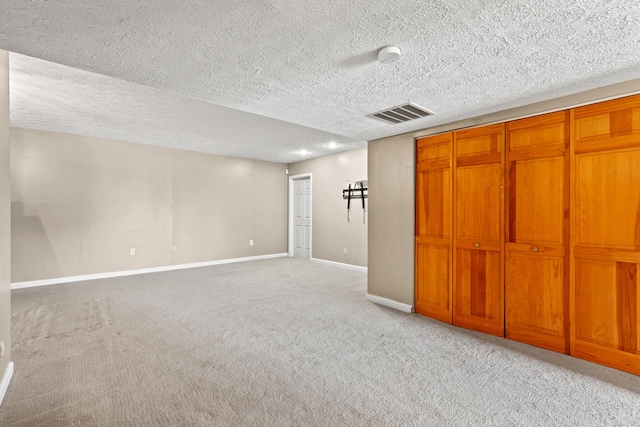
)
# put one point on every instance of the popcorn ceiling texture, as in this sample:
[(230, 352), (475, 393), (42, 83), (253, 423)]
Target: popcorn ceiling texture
[(314, 63), (53, 97)]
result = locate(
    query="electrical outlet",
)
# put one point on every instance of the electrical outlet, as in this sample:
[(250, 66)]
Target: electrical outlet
[(345, 251), (132, 251), (250, 242), (1, 348), (175, 248)]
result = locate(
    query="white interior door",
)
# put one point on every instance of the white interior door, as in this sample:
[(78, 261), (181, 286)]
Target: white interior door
[(302, 218)]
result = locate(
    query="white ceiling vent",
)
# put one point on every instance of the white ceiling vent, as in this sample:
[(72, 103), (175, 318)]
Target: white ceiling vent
[(401, 113)]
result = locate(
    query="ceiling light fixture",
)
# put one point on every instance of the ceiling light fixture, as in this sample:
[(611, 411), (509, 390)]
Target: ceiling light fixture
[(389, 54), (332, 145), (303, 152)]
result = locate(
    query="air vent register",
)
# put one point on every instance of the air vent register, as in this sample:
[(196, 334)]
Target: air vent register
[(401, 114)]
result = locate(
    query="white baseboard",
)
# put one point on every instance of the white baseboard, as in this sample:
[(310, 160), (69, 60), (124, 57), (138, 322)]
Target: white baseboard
[(390, 303), (340, 264), (6, 379), (69, 279)]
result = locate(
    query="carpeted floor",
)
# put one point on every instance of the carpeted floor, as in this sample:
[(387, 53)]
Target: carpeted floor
[(281, 342)]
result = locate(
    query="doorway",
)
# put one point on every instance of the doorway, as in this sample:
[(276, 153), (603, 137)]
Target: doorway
[(300, 190)]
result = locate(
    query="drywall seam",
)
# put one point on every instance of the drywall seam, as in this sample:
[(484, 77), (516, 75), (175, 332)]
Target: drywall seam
[(59, 280), (341, 264), (6, 379), (390, 303)]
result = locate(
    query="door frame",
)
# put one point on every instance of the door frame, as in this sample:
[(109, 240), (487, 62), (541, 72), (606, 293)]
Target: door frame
[(291, 200)]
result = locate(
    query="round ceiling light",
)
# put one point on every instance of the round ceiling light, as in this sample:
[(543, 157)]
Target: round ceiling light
[(389, 54)]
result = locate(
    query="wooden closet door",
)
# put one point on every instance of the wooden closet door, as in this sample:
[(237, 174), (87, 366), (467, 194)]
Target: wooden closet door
[(606, 233), (478, 284), (433, 227), (537, 231)]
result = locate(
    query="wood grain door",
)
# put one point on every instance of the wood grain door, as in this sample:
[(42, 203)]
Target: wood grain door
[(433, 227), (605, 224), (478, 273), (537, 231)]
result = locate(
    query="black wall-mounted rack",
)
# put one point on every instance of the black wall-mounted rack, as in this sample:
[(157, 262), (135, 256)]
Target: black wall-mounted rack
[(356, 193)]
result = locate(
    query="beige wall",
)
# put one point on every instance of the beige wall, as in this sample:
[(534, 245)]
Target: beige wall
[(79, 204), (331, 232), (5, 217), (391, 218)]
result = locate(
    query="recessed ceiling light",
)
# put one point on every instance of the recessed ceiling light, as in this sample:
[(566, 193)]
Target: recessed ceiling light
[(303, 152), (332, 145)]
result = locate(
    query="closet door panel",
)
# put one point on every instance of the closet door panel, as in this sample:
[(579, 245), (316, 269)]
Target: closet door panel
[(478, 288), (607, 125), (608, 199), (433, 293), (482, 145), (605, 308), (433, 206), (606, 313), (535, 299), (537, 248), (537, 204), (433, 296), (478, 203), (607, 316)]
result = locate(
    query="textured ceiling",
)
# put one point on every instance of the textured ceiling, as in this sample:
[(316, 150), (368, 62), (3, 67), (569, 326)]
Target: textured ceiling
[(58, 98), (313, 64)]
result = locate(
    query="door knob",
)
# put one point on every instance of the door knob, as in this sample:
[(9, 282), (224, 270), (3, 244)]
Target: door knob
[(476, 244), (535, 249)]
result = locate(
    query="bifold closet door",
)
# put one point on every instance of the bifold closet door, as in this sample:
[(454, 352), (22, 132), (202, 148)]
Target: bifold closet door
[(606, 229), (478, 271), (537, 236), (433, 227)]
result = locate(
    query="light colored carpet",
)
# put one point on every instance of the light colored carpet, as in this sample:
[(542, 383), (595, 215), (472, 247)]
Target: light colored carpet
[(280, 342)]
